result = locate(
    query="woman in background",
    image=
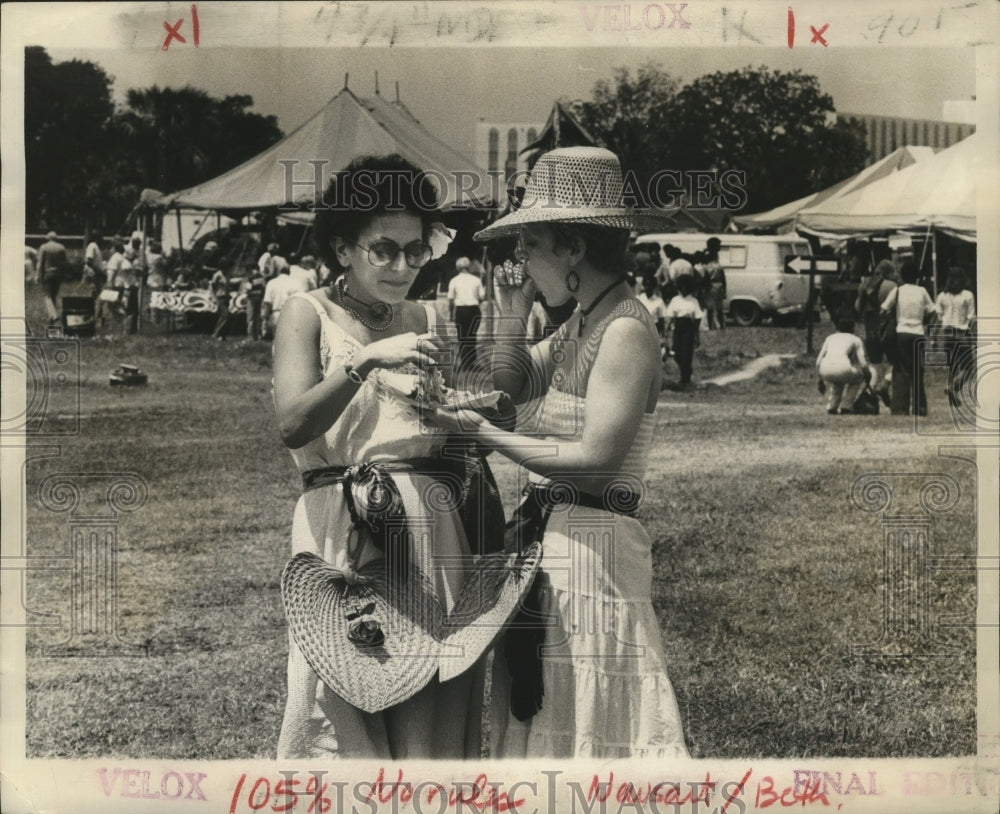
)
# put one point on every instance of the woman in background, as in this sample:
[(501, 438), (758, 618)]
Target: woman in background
[(957, 307), (912, 305)]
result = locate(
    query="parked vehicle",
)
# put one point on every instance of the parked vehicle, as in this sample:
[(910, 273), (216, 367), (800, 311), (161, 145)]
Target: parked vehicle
[(757, 284)]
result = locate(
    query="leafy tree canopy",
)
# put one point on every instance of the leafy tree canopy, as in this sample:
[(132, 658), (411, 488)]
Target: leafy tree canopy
[(628, 113), (777, 127), (87, 161)]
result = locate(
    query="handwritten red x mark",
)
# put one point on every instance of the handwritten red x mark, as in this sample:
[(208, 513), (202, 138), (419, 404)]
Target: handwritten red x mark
[(817, 35), (172, 33)]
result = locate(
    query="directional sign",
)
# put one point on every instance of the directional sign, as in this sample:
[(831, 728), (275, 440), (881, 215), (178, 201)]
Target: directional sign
[(807, 264)]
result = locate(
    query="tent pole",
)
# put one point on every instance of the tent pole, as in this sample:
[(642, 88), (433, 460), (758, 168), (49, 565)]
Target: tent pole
[(302, 242), (923, 250), (180, 238), (934, 269), (142, 277)]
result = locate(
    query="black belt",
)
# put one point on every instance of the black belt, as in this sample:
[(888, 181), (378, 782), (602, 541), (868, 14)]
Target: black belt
[(526, 635)]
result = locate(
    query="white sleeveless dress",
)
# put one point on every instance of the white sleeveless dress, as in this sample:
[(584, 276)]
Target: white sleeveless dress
[(375, 426), (607, 694)]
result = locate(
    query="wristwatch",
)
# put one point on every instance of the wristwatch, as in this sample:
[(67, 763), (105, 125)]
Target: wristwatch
[(353, 374)]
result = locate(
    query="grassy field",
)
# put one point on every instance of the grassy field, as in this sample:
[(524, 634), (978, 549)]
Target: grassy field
[(767, 576)]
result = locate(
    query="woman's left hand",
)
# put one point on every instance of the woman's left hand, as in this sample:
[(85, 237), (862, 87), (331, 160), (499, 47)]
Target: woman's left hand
[(456, 422)]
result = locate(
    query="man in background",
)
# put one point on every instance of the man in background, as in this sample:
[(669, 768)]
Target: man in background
[(220, 293), (51, 268), (278, 289), (253, 287), (465, 293), (264, 263), (304, 273)]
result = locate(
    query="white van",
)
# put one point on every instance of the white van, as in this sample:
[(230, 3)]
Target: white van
[(757, 285)]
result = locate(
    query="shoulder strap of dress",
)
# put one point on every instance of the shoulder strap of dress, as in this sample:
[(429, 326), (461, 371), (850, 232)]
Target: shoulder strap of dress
[(320, 311)]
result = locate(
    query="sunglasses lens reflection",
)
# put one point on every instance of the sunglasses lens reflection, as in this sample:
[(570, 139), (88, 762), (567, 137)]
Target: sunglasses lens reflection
[(384, 252)]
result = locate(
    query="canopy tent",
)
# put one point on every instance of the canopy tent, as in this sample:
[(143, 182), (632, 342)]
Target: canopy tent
[(561, 130), (938, 193), (783, 218), (345, 128)]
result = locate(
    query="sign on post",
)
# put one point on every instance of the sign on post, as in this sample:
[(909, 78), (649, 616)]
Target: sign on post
[(807, 264)]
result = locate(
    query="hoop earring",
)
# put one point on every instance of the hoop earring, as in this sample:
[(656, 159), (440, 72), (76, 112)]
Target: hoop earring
[(573, 281)]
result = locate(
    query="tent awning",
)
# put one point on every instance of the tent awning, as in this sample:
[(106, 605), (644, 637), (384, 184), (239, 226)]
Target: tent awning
[(783, 217), (300, 165), (940, 192)]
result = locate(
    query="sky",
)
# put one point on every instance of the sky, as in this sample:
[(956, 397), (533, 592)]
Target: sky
[(450, 89)]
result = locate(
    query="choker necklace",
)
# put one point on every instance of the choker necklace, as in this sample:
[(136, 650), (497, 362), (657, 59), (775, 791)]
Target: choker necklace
[(379, 310), (585, 312)]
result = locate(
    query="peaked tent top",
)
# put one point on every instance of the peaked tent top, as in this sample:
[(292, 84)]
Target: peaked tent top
[(783, 217), (345, 128), (940, 192), (561, 130)]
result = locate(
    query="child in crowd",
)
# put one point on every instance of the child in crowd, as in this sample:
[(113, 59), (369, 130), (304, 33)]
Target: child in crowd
[(683, 316), (651, 299), (843, 368)]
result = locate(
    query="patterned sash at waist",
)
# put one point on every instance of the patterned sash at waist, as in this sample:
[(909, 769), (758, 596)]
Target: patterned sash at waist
[(376, 506)]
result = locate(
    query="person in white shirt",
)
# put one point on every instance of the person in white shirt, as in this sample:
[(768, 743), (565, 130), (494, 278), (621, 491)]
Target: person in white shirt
[(842, 368), (304, 273), (912, 305), (684, 316), (264, 263), (465, 293), (276, 292), (957, 306), (93, 260), (651, 299), (678, 265)]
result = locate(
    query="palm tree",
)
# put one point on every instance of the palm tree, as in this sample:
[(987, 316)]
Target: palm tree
[(171, 130)]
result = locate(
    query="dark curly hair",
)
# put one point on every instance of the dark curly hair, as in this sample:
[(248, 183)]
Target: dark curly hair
[(909, 272), (369, 186)]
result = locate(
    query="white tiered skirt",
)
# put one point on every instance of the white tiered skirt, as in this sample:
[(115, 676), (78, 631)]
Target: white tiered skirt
[(607, 694)]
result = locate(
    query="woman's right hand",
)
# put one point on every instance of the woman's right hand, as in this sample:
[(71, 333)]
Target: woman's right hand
[(514, 293), (425, 350)]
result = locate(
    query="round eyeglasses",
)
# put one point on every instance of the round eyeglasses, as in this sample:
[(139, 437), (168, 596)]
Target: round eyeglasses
[(384, 252)]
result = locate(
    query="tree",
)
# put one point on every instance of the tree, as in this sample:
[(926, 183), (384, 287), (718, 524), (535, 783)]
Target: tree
[(67, 106), (777, 127), (87, 163), (183, 137), (629, 115)]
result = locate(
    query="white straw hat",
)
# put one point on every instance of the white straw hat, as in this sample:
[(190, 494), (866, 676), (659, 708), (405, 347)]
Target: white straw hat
[(576, 185), (377, 642)]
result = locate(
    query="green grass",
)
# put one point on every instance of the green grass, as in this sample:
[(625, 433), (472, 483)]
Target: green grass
[(766, 576)]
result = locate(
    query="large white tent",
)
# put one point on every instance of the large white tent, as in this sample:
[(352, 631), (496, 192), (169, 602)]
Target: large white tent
[(783, 218), (940, 193), (345, 128)]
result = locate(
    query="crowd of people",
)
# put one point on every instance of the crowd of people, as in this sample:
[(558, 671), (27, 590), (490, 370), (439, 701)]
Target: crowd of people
[(361, 375), (899, 321)]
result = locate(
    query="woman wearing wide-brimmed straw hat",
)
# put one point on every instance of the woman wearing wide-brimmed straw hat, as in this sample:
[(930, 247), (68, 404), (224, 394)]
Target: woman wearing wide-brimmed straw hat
[(382, 536), (599, 688)]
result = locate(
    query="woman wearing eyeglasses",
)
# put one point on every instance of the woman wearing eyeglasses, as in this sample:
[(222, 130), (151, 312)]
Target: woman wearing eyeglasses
[(340, 354)]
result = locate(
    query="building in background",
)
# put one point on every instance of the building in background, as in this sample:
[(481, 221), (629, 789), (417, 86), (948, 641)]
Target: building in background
[(888, 133), (498, 146)]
